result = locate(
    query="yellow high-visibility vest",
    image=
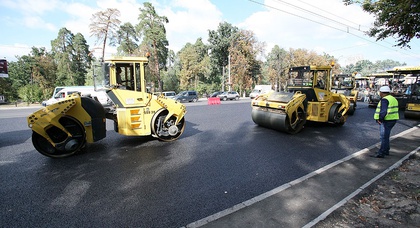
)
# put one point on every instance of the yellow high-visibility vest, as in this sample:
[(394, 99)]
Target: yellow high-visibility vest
[(392, 112)]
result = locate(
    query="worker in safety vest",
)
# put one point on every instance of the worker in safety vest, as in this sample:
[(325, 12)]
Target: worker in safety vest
[(386, 115)]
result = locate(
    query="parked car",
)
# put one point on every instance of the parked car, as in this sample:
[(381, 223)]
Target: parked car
[(186, 96), (231, 95), (215, 94), (169, 94)]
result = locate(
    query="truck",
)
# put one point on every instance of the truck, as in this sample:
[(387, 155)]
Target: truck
[(259, 89), (64, 128)]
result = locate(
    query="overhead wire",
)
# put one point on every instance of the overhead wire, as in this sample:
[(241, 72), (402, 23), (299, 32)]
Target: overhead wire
[(313, 6), (317, 14), (328, 12), (330, 26)]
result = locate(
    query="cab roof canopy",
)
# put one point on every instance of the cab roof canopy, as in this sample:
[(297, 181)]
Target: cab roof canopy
[(309, 68), (126, 59), (405, 70)]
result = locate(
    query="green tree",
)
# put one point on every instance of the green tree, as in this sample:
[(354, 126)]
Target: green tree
[(387, 64), (364, 67), (36, 69), (30, 93), (194, 64), (303, 57), (72, 56), (399, 19), (81, 59), (277, 66), (20, 72), (219, 43), (152, 28), (244, 66), (169, 77), (43, 71), (62, 48), (127, 39), (104, 26)]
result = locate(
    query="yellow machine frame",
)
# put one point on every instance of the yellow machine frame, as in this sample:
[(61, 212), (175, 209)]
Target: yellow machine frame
[(305, 101), (62, 129)]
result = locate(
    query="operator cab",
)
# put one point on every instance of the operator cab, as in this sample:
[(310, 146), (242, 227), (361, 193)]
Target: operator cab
[(124, 76), (306, 79)]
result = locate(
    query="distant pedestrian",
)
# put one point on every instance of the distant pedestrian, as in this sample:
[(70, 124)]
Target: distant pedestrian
[(386, 115), (366, 93)]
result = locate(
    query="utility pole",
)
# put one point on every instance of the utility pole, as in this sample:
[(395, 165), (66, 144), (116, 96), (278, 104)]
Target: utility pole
[(230, 85)]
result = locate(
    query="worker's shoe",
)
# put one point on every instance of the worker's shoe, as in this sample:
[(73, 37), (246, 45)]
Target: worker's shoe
[(377, 156)]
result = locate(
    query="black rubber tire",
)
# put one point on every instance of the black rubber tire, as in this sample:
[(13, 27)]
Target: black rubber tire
[(335, 117), (352, 108), (164, 136)]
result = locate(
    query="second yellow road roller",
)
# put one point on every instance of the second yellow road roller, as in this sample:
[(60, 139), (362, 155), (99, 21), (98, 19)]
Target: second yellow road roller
[(308, 98)]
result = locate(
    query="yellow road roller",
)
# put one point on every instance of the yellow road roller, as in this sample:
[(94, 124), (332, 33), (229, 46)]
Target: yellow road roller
[(346, 84), (308, 98), (412, 90), (62, 129)]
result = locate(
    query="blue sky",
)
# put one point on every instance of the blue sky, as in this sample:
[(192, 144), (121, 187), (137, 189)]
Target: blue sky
[(316, 25)]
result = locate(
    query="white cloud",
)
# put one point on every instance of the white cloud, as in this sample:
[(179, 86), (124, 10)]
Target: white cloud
[(10, 51), (29, 6), (35, 22), (31, 13), (79, 18), (189, 20), (322, 26)]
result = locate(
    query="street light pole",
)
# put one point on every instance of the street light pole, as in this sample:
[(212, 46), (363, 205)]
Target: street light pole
[(230, 88)]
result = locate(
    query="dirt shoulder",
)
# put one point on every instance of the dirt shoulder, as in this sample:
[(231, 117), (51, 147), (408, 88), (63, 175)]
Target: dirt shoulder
[(391, 201)]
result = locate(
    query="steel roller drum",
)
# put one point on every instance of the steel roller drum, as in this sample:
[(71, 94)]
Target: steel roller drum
[(276, 119)]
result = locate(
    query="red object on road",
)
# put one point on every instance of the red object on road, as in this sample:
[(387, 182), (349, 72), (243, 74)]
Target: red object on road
[(213, 101)]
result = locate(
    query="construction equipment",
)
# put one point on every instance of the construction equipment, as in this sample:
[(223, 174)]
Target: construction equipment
[(412, 92), (309, 98), (391, 80), (346, 85), (363, 86), (63, 128)]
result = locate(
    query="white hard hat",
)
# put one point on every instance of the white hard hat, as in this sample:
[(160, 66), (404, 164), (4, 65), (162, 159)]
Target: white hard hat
[(385, 89)]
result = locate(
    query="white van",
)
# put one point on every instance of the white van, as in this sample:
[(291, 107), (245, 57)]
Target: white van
[(259, 89), (169, 94), (60, 93)]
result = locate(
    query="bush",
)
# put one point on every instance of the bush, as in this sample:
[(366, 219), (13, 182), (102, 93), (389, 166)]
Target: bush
[(30, 94)]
